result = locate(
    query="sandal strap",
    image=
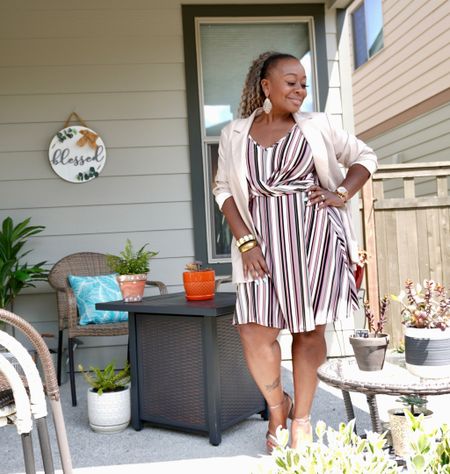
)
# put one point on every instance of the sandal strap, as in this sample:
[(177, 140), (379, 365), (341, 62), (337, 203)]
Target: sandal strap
[(278, 405), (303, 420)]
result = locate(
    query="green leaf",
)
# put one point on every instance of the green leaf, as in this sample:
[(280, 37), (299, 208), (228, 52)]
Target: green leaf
[(281, 463), (14, 274), (418, 461)]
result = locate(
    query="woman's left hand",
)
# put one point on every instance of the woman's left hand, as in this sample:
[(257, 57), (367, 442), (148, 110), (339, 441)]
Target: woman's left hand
[(323, 197)]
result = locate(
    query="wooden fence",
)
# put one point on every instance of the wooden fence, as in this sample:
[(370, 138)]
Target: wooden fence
[(406, 236)]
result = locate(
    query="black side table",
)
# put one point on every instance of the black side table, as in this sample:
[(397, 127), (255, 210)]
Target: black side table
[(187, 367)]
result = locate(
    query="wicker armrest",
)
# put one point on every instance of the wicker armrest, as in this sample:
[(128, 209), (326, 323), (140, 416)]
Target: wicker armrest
[(220, 280), (162, 287), (58, 288), (72, 310)]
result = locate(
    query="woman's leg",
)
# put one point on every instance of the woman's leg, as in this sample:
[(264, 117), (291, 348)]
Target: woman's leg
[(263, 355), (309, 351)]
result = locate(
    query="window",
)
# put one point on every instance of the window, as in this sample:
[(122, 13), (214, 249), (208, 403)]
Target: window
[(367, 22), (220, 43), (225, 51)]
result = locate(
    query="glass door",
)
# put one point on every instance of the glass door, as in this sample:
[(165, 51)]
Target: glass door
[(225, 49)]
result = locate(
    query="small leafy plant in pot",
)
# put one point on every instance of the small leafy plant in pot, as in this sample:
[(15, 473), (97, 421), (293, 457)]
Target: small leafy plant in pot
[(369, 345), (401, 421), (199, 283), (132, 268), (426, 316), (335, 451), (109, 408)]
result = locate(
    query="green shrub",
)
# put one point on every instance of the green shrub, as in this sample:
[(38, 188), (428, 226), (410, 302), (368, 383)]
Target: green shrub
[(335, 451), (15, 275), (343, 451)]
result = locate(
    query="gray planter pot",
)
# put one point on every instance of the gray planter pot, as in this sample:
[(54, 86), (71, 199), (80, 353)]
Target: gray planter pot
[(427, 352), (370, 352)]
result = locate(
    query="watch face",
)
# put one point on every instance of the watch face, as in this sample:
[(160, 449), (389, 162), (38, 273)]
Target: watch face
[(342, 190)]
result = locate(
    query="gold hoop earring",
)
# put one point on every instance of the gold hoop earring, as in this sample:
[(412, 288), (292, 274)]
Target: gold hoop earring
[(267, 105)]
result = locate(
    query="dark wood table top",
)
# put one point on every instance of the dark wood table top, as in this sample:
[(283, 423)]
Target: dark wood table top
[(175, 304)]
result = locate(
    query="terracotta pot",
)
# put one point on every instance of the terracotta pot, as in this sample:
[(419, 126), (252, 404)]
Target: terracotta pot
[(199, 285), (370, 352), (132, 286)]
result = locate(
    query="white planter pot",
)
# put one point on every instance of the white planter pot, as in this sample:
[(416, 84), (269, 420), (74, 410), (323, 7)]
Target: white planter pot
[(400, 431), (427, 352), (109, 412)]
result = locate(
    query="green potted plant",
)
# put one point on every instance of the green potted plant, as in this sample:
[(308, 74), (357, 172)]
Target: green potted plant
[(400, 421), (15, 274), (369, 345), (199, 283), (342, 451), (335, 451), (132, 268), (429, 449), (109, 408), (426, 316)]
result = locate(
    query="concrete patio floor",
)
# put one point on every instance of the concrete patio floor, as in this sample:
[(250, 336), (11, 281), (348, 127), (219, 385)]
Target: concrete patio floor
[(153, 450)]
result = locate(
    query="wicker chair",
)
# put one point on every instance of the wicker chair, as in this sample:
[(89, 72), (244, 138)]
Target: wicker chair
[(81, 264), (10, 393)]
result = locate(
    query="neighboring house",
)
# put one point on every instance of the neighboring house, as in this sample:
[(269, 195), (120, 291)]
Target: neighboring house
[(401, 104), (401, 92), (156, 80)]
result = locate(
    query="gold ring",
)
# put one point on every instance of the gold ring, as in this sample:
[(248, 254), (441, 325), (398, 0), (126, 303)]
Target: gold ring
[(323, 197)]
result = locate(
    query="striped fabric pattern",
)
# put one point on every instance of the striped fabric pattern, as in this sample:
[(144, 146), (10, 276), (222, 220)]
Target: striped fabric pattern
[(310, 278)]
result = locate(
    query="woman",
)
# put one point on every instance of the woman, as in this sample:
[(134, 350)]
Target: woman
[(282, 192)]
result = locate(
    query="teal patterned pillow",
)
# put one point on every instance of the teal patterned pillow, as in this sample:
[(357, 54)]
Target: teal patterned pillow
[(89, 290)]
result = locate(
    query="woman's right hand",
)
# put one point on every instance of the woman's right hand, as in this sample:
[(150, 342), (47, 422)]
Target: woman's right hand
[(254, 263)]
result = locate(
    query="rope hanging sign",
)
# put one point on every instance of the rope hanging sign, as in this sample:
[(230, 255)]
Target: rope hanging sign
[(77, 154)]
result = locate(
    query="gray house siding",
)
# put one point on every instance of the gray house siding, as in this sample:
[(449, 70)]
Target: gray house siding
[(119, 65), (425, 139)]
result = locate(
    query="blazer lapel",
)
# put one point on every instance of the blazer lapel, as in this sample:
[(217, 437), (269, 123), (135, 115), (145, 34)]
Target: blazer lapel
[(239, 149)]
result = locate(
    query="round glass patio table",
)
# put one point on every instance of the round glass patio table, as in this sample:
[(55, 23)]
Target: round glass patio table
[(394, 379)]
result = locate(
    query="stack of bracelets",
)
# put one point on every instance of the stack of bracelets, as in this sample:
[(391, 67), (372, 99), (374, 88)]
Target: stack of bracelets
[(246, 243)]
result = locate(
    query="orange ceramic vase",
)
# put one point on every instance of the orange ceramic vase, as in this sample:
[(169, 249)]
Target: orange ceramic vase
[(199, 285), (132, 287)]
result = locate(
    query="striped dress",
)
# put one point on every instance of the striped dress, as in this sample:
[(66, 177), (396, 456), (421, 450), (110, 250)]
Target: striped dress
[(310, 277)]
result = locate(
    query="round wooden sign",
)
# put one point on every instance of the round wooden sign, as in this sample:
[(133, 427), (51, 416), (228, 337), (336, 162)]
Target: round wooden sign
[(77, 154)]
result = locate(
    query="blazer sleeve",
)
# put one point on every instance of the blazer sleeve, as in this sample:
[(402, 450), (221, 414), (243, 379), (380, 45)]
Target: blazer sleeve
[(221, 188), (350, 150)]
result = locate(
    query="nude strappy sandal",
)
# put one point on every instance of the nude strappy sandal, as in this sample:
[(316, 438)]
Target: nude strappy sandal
[(304, 437), (271, 440)]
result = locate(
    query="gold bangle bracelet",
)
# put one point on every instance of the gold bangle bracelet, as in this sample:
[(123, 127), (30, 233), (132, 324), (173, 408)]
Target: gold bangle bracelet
[(248, 246), (244, 240), (247, 242), (342, 196)]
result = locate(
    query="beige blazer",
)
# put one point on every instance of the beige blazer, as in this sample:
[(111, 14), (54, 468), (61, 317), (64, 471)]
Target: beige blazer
[(330, 147)]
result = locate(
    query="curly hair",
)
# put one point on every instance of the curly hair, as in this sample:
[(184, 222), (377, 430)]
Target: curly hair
[(252, 95)]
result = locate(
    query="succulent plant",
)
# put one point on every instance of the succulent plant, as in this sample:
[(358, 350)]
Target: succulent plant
[(426, 306)]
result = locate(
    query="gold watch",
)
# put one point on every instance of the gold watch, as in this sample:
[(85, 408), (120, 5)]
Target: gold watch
[(342, 192)]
